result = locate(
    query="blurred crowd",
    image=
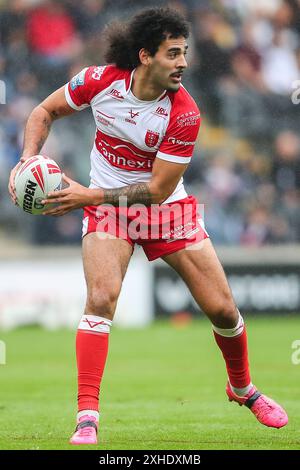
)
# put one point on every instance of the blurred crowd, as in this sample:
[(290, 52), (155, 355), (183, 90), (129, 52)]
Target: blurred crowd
[(244, 72)]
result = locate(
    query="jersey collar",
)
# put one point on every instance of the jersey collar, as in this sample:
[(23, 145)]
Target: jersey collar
[(134, 98)]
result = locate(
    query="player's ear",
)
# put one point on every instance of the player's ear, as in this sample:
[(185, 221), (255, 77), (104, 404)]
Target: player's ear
[(144, 56)]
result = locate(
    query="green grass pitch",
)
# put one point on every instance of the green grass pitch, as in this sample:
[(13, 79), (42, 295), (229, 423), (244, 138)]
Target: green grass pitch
[(163, 388)]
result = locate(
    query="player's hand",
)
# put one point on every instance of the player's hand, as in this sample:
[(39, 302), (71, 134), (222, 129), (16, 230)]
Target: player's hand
[(11, 183), (73, 197)]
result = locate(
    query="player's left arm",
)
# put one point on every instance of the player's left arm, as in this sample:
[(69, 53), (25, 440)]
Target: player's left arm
[(165, 177)]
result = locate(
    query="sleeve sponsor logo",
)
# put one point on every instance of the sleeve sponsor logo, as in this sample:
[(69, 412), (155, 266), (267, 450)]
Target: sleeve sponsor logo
[(78, 80), (188, 119), (174, 141), (98, 71)]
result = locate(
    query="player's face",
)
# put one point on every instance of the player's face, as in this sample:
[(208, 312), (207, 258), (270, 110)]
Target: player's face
[(168, 64)]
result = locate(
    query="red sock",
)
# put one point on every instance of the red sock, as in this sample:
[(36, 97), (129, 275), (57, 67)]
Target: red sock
[(91, 352), (235, 353)]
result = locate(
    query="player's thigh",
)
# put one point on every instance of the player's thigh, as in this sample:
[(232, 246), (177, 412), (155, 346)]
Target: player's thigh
[(203, 273), (105, 262)]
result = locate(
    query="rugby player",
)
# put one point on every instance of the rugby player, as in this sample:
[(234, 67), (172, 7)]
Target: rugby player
[(146, 128)]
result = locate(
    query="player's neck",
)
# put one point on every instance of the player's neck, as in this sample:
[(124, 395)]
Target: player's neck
[(142, 87)]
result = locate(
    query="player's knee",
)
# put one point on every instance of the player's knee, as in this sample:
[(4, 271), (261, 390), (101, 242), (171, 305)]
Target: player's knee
[(102, 302), (225, 315)]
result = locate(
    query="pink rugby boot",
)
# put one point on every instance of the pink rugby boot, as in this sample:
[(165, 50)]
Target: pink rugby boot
[(266, 410), (86, 431)]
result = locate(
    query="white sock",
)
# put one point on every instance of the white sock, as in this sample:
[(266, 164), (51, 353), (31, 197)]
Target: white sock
[(241, 392), (88, 412), (231, 332), (94, 323)]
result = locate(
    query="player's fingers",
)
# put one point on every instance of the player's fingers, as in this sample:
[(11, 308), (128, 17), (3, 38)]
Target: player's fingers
[(60, 214), (13, 199), (56, 211), (13, 174), (11, 187), (57, 200), (55, 214), (12, 192), (11, 183), (49, 212), (57, 194)]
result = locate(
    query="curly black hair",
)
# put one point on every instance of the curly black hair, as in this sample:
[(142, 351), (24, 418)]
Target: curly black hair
[(147, 29)]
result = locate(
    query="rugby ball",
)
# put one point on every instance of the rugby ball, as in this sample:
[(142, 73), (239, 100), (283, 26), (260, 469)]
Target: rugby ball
[(35, 178)]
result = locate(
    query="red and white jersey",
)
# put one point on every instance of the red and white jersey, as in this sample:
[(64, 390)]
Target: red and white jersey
[(131, 133)]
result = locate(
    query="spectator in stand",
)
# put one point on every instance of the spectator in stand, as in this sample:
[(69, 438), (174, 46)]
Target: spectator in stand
[(286, 169), (61, 43)]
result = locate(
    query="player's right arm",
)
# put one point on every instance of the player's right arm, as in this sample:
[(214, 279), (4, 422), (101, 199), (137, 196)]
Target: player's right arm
[(75, 96), (38, 127)]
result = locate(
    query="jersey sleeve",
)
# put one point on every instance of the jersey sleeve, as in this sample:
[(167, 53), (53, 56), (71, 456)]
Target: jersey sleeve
[(84, 86), (179, 141)]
